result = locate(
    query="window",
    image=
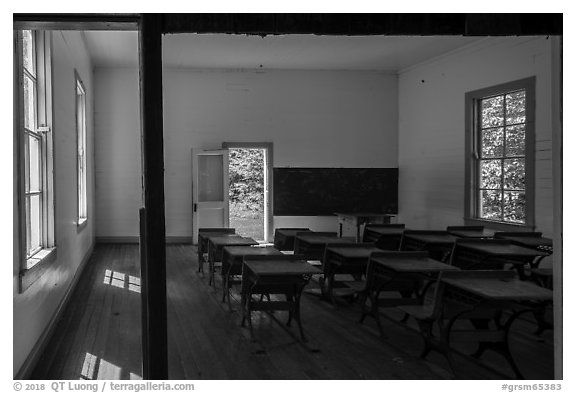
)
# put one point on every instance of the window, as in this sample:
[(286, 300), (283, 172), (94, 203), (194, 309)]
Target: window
[(34, 139), (500, 158), (81, 138)]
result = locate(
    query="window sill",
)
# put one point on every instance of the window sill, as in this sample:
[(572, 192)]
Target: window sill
[(36, 266), (82, 223), (499, 226)]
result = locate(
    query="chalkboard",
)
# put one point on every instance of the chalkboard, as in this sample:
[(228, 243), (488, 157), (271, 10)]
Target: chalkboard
[(324, 191)]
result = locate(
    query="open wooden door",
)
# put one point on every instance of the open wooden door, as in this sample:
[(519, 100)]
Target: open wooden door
[(209, 190)]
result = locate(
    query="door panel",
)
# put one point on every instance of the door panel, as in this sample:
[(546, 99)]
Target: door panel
[(209, 190)]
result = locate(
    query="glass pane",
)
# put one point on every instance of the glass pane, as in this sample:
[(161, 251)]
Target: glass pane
[(493, 142), (35, 222), (515, 140), (516, 107), (490, 204), (29, 104), (514, 206), (514, 174), (35, 169), (491, 172), (28, 51), (28, 224), (210, 181), (26, 164), (493, 112)]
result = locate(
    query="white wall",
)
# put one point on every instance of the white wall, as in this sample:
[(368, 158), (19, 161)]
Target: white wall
[(431, 127), (34, 308), (313, 118), (118, 151)]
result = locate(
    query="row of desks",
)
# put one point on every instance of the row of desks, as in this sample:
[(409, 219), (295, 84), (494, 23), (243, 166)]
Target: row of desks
[(406, 274)]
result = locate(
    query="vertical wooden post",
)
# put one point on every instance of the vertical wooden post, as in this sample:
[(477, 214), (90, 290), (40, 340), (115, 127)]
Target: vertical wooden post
[(153, 262), (557, 174)]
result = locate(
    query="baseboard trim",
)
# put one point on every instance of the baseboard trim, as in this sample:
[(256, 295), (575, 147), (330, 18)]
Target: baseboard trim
[(34, 356), (117, 239), (136, 239), (179, 239)]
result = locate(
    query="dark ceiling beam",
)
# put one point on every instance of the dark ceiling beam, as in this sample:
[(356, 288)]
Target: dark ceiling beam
[(319, 24), (76, 21), (366, 24)]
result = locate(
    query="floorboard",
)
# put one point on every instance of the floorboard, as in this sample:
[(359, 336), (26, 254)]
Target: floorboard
[(99, 334)]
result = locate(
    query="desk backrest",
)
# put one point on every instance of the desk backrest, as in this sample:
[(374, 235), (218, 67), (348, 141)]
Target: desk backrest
[(217, 230), (408, 232), (297, 247), (284, 257), (499, 235), (384, 242), (467, 259), (286, 243), (475, 228), (314, 233)]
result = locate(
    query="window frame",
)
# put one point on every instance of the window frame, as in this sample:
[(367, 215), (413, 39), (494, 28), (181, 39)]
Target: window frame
[(472, 156), (81, 158), (33, 266)]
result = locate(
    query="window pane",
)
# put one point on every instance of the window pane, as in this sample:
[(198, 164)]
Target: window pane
[(35, 169), (35, 223), (210, 183), (516, 107), (28, 51), (515, 141), (493, 112), (514, 174), (491, 172), (493, 142), (514, 206), (491, 204), (29, 104)]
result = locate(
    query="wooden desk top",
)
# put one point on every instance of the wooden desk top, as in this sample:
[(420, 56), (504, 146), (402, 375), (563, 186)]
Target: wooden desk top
[(280, 268), (385, 230), (529, 241), (353, 252), (432, 238), (503, 250), (414, 265), (232, 241), (208, 235), (472, 234), (501, 288), (318, 240), (240, 251), (291, 231)]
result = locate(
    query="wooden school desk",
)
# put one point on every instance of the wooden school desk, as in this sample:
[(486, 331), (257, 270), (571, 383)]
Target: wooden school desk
[(232, 258), (532, 240), (202, 248), (404, 272), (344, 259), (284, 238), (285, 275), (493, 254), (312, 245), (217, 243), (438, 243), (470, 232), (386, 236), (483, 293)]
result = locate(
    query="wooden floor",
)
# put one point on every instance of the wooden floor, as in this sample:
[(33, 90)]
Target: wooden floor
[(99, 334)]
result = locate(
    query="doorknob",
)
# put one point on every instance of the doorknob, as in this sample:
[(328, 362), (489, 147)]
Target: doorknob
[(195, 207)]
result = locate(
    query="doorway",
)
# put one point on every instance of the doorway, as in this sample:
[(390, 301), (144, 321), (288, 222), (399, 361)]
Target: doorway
[(250, 179)]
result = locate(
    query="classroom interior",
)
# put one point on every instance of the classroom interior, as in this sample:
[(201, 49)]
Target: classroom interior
[(334, 101)]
